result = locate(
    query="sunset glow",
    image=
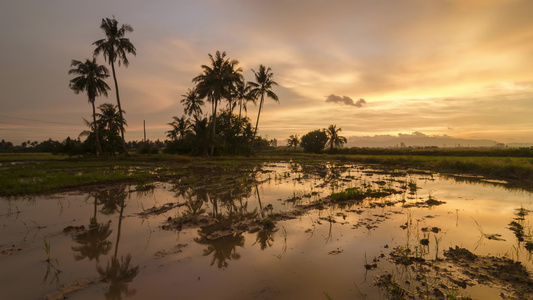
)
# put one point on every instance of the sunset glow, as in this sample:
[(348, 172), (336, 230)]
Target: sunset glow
[(460, 68)]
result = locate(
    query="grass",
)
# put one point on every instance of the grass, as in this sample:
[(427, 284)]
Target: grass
[(30, 173)]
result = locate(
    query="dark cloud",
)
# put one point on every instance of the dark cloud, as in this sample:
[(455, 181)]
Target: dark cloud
[(345, 100)]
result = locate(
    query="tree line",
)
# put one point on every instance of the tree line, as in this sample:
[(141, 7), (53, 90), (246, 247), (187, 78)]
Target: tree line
[(196, 132)]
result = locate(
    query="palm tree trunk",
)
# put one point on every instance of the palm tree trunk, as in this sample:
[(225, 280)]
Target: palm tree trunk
[(256, 124), (212, 150), (119, 107), (98, 146), (240, 108)]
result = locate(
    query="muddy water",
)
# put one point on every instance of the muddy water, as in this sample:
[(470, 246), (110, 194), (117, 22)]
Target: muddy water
[(122, 242)]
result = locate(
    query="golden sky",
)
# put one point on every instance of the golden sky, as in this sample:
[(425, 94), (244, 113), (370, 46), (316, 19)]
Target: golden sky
[(458, 67)]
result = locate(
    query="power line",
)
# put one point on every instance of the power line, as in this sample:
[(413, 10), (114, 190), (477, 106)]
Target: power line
[(37, 120), (35, 131)]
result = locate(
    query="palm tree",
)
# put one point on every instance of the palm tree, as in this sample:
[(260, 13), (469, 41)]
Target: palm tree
[(294, 140), (109, 118), (192, 102), (114, 47), (180, 127), (91, 80), (215, 83), (261, 87), (334, 139), (242, 93)]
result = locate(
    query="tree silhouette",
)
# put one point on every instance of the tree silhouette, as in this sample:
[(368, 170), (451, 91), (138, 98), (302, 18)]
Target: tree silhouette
[(215, 82), (260, 88), (192, 102), (334, 139), (114, 47), (109, 118), (91, 80), (314, 141), (180, 127), (244, 95), (293, 141)]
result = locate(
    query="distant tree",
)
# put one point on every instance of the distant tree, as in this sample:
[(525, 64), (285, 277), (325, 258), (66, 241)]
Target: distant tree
[(244, 95), (215, 82), (109, 118), (314, 141), (293, 141), (262, 86), (109, 123), (114, 47), (192, 102), (334, 139), (90, 79), (180, 127)]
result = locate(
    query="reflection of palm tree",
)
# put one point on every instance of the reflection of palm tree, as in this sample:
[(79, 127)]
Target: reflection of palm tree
[(93, 242), (265, 237), (194, 208), (260, 88), (119, 272), (91, 79), (114, 48), (111, 199), (222, 249)]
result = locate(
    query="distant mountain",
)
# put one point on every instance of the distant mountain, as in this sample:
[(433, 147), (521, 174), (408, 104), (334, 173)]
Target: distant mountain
[(419, 139)]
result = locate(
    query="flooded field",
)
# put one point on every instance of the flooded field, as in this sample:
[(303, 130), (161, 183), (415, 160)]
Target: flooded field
[(272, 231)]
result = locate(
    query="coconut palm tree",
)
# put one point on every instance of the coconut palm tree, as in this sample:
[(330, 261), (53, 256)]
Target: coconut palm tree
[(114, 47), (334, 139), (215, 82), (90, 79), (180, 127), (192, 102), (242, 93), (260, 88), (294, 140), (109, 118)]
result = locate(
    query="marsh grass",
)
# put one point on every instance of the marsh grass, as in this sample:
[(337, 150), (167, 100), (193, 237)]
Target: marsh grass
[(31, 173)]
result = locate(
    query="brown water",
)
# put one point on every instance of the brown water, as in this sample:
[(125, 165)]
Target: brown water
[(122, 253)]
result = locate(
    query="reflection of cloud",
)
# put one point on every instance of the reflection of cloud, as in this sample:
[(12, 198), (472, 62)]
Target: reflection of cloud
[(345, 100)]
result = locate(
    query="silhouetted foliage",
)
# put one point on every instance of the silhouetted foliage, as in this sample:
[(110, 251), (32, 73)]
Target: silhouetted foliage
[(215, 83), (293, 141), (90, 79), (262, 86), (69, 147), (108, 124), (115, 48), (334, 139), (314, 141), (233, 136)]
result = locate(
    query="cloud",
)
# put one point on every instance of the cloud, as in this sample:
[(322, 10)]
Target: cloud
[(345, 100)]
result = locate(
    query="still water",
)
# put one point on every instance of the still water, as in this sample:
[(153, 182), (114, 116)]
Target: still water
[(265, 232)]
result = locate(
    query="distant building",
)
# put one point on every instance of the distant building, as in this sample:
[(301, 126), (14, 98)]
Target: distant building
[(274, 143)]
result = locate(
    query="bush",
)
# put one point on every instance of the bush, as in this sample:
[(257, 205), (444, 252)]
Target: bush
[(314, 141)]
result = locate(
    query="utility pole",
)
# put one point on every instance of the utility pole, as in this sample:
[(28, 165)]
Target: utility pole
[(144, 127)]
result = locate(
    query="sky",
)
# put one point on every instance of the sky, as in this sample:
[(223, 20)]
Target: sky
[(462, 68)]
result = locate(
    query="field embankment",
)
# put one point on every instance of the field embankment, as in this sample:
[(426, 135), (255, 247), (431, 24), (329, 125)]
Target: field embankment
[(42, 173)]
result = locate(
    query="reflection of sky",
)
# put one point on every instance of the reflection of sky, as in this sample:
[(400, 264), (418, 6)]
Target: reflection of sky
[(298, 264), (421, 66)]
